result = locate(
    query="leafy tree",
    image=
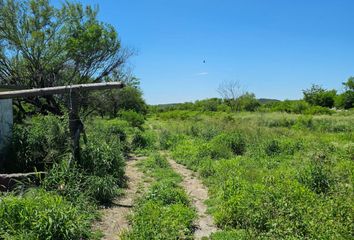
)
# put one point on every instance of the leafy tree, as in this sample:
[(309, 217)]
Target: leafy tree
[(349, 85), (111, 102), (247, 102), (45, 46), (318, 96), (346, 99)]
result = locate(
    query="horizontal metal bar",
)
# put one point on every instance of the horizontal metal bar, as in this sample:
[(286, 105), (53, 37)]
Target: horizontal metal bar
[(60, 90)]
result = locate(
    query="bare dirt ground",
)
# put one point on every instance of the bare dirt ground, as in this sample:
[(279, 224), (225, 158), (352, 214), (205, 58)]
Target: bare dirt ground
[(198, 194), (114, 218)]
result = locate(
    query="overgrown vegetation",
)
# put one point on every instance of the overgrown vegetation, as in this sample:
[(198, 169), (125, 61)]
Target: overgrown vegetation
[(70, 192), (164, 212), (270, 175), (43, 215)]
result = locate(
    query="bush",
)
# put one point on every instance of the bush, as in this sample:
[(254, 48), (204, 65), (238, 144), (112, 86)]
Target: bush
[(273, 148), (318, 96), (37, 144), (318, 110), (42, 215), (103, 189), (206, 168), (67, 180), (100, 158), (142, 140), (135, 119), (226, 143), (317, 175)]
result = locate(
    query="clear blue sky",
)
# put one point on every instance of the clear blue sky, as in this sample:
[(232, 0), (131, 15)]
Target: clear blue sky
[(274, 48)]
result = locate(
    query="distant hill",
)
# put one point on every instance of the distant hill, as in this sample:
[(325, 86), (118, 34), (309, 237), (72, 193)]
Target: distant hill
[(267, 100), (166, 105)]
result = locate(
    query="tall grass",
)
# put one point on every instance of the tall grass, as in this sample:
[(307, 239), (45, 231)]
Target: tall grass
[(289, 177)]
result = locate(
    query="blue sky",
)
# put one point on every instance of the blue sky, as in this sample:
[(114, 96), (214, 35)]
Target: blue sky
[(274, 48)]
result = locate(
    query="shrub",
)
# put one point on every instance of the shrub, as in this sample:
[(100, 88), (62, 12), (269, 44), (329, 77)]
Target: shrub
[(42, 215), (67, 180), (273, 148), (226, 143), (317, 110), (132, 117), (142, 140), (317, 175), (316, 95), (37, 144), (101, 158), (206, 168), (102, 188)]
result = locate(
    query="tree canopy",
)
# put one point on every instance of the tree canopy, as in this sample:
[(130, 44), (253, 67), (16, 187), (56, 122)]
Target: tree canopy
[(45, 46), (319, 96)]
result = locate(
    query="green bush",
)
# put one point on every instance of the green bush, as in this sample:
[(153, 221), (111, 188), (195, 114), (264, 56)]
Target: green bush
[(141, 140), (101, 158), (103, 189), (273, 148), (37, 144), (317, 110), (42, 215), (226, 144), (67, 180), (206, 168), (317, 175), (132, 117)]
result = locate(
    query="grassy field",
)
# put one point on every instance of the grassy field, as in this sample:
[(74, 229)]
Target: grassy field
[(270, 175)]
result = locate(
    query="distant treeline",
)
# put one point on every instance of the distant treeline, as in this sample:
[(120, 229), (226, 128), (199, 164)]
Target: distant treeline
[(316, 100)]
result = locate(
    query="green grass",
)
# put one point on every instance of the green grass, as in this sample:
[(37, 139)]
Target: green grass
[(164, 212), (270, 175), (69, 195), (42, 215)]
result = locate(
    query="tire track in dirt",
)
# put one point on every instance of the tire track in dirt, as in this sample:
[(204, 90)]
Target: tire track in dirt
[(198, 193), (114, 218)]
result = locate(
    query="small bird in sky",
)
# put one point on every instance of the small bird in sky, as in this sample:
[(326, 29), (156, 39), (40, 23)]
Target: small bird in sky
[(204, 61)]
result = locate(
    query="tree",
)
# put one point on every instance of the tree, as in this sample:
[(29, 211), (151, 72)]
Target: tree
[(346, 99), (349, 84), (43, 46), (113, 101), (247, 102), (318, 96), (230, 91)]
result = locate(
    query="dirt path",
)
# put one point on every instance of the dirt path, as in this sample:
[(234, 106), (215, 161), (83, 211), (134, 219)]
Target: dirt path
[(198, 193), (114, 218)]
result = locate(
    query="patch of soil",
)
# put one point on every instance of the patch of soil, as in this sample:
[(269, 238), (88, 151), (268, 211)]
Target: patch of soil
[(114, 218), (198, 194)]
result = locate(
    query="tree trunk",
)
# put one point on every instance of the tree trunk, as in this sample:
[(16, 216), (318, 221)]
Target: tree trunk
[(75, 124)]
